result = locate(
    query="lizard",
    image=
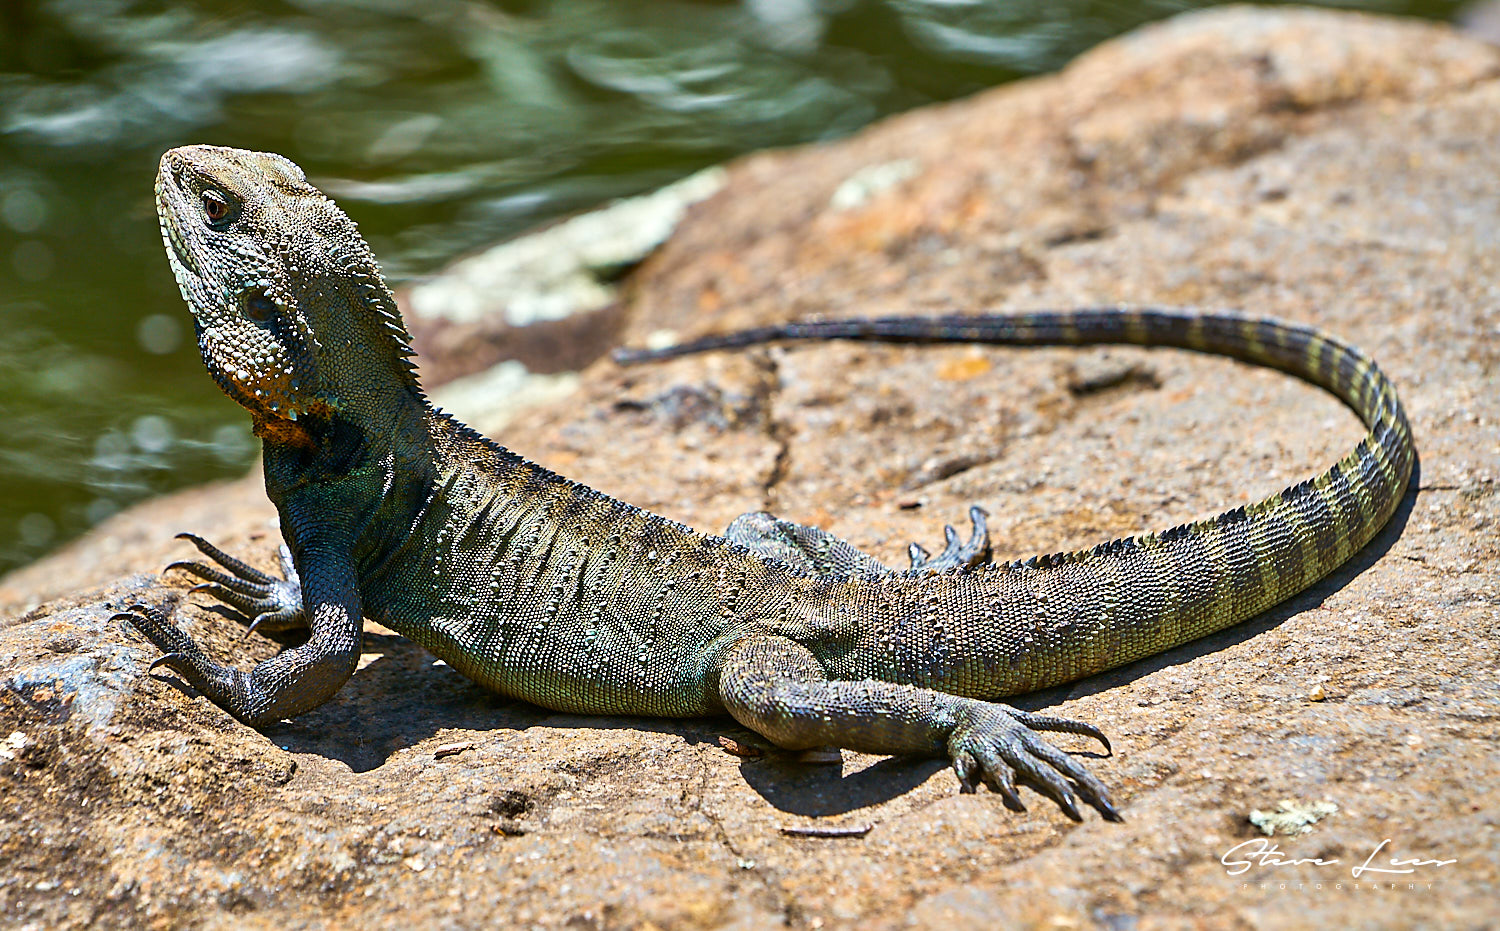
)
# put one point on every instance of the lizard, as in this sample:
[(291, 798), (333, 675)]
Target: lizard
[(542, 589)]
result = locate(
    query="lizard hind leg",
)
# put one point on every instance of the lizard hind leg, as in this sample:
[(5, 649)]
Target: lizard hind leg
[(270, 604), (777, 688), (806, 550), (957, 553), (818, 553)]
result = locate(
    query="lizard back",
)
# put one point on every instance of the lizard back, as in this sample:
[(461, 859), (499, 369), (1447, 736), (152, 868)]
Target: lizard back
[(545, 589)]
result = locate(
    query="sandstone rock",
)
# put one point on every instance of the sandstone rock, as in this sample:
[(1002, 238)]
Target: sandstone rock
[(1324, 168)]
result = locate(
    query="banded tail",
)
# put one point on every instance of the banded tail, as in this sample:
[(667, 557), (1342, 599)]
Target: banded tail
[(1141, 595)]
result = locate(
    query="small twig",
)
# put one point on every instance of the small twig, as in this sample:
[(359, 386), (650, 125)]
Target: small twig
[(815, 830)]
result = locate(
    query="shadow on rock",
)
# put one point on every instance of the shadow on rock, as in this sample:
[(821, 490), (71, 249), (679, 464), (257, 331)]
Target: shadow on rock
[(815, 790), (404, 695)]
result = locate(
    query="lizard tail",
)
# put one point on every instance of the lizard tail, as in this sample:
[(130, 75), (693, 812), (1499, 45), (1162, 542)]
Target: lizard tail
[(1059, 617)]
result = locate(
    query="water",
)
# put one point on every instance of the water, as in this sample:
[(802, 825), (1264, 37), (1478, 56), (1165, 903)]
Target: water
[(440, 126)]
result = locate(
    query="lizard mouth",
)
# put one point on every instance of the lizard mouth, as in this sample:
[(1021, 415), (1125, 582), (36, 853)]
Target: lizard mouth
[(169, 232), (179, 248)]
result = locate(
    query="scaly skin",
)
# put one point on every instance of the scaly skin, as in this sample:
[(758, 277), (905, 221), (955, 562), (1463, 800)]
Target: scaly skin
[(548, 591)]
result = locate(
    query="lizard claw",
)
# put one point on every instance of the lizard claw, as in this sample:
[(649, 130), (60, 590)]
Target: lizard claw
[(274, 620), (999, 746), (166, 659)]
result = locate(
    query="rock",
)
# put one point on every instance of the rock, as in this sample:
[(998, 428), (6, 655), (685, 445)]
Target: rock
[(547, 301), (1319, 167), (565, 268)]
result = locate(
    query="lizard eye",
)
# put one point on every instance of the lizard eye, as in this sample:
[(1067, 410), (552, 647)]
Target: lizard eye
[(215, 208), (259, 308)]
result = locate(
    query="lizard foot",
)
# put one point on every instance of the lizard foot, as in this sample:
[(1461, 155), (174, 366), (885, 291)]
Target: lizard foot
[(270, 603), (956, 553), (180, 653), (998, 745)]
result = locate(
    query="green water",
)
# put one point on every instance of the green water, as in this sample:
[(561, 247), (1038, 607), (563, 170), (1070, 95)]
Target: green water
[(440, 126)]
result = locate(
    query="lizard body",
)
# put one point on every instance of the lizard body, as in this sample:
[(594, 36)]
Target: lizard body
[(545, 590)]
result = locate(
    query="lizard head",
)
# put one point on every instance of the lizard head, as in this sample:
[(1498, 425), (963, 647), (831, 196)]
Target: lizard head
[(292, 315)]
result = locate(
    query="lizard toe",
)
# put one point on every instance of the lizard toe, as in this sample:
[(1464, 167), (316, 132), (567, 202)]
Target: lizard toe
[(999, 777), (180, 653), (1047, 722), (967, 769), (236, 566), (210, 574), (283, 618)]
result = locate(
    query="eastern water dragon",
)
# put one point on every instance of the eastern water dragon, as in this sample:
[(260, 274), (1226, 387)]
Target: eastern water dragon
[(545, 590)]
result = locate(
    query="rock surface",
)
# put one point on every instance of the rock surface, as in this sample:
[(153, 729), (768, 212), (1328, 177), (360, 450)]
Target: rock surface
[(1330, 169)]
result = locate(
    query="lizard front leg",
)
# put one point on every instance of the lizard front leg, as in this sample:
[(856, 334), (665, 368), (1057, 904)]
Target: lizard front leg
[(777, 688), (293, 681)]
